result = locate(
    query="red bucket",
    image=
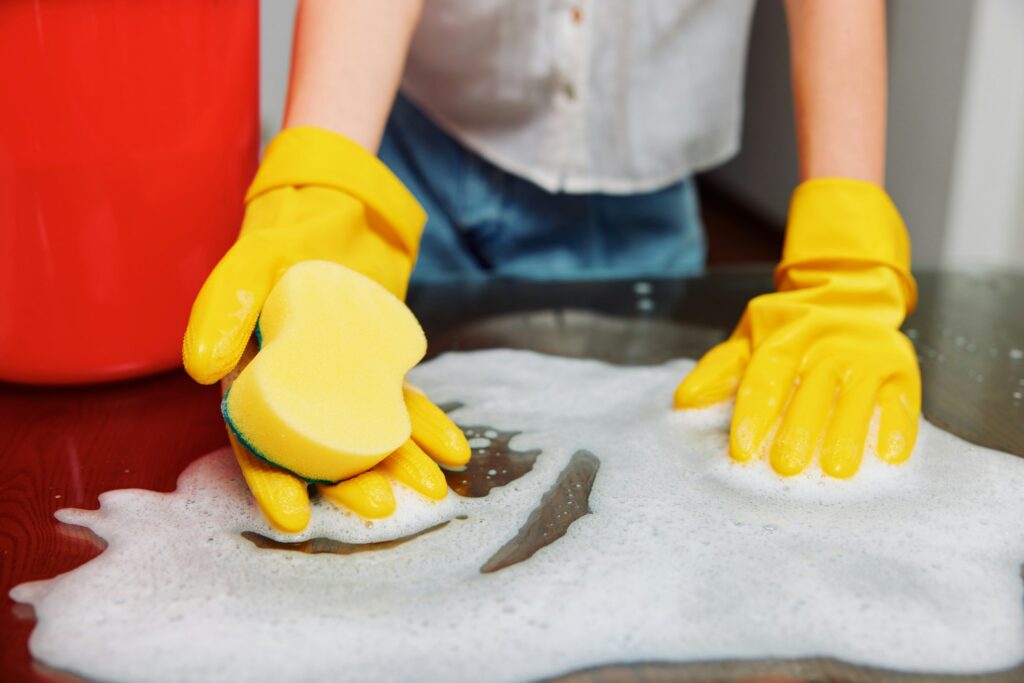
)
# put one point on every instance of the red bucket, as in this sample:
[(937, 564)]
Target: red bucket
[(128, 133)]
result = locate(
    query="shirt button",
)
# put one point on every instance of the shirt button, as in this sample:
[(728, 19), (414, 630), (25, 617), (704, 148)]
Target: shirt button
[(577, 15)]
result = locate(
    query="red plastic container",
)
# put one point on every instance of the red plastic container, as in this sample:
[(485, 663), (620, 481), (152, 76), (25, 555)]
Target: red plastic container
[(129, 131)]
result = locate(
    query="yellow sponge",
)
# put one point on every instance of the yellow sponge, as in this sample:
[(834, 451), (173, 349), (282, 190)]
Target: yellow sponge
[(323, 397)]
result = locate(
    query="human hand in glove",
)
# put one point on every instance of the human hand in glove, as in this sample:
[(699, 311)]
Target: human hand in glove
[(319, 196), (813, 360), (284, 497)]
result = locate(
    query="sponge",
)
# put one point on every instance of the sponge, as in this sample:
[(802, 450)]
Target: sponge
[(323, 397)]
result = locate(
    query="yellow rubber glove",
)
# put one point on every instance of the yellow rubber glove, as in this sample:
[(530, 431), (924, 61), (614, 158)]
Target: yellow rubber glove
[(284, 498), (318, 195), (813, 360)]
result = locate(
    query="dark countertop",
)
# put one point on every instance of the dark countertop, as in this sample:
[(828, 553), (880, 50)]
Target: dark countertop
[(62, 447)]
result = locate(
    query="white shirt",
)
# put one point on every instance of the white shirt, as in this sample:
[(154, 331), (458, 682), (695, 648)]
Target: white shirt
[(614, 96)]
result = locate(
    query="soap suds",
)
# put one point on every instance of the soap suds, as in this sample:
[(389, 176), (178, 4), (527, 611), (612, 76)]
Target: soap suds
[(685, 556)]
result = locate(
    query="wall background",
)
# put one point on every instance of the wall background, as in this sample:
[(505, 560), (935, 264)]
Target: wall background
[(956, 122), (277, 18), (956, 127)]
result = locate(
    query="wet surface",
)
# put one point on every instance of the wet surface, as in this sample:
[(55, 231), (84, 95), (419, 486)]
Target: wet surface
[(317, 546), (586, 334), (494, 463), (807, 670), (63, 446), (566, 501), (968, 330)]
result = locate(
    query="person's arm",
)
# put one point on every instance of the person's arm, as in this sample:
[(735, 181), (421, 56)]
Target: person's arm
[(321, 194), (347, 62), (838, 56), (810, 363)]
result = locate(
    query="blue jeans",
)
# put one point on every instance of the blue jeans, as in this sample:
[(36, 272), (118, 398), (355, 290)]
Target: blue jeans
[(483, 222)]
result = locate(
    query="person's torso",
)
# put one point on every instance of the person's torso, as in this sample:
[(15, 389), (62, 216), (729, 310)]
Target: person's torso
[(585, 96)]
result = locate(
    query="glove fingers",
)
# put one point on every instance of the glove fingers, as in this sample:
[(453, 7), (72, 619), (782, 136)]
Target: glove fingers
[(411, 466), (225, 311), (805, 420), (282, 497), (843, 449), (897, 429), (716, 377), (434, 432), (760, 400), (368, 494)]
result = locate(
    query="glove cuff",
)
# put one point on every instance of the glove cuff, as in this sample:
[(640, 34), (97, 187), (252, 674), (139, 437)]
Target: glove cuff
[(836, 222), (307, 155)]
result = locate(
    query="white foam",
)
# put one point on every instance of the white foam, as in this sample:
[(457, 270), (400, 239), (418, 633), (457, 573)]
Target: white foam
[(687, 556)]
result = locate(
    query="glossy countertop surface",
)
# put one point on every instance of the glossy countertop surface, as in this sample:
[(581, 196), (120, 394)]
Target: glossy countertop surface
[(62, 447)]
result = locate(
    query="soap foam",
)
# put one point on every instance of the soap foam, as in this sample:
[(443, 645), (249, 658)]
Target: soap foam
[(686, 556)]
